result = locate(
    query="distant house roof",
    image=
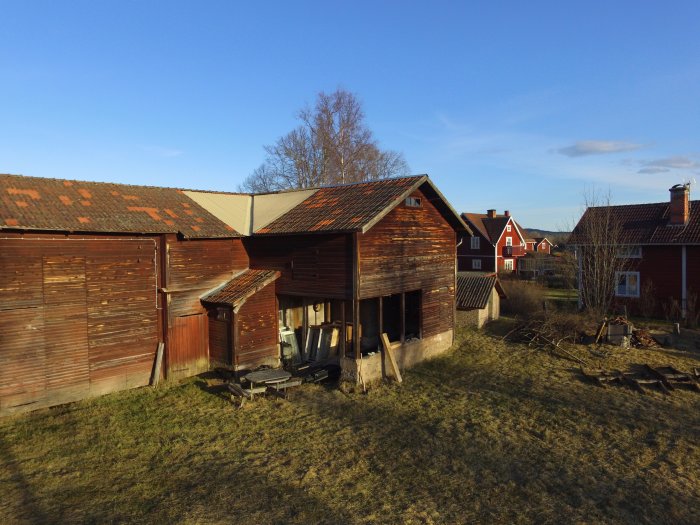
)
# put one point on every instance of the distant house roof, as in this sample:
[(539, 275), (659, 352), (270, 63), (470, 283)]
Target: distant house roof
[(240, 287), (490, 227), (34, 203), (357, 207), (645, 224), (474, 291)]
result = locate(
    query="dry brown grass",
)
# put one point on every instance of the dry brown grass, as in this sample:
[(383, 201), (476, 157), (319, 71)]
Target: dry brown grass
[(489, 433)]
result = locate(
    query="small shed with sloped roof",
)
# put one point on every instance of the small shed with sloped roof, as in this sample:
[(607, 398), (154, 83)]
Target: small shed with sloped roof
[(243, 321), (478, 299)]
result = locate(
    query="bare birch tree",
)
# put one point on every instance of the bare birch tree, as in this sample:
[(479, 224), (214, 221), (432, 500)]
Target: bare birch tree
[(598, 238), (331, 146)]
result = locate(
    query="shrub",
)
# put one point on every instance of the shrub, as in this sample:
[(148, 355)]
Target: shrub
[(524, 298)]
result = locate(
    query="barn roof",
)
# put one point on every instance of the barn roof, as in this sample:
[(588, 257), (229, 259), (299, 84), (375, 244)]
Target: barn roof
[(34, 203), (357, 207), (474, 291), (644, 224), (241, 287)]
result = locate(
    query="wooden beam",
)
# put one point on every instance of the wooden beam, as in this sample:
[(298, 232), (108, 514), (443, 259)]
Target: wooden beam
[(387, 349)]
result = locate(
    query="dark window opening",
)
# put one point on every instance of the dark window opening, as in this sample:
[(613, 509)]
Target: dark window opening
[(412, 315), (369, 325), (391, 316)]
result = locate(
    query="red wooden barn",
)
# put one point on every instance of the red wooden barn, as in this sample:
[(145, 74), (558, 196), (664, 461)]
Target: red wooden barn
[(661, 242), (93, 276)]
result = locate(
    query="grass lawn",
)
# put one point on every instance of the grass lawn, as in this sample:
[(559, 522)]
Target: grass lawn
[(489, 433), (561, 294)]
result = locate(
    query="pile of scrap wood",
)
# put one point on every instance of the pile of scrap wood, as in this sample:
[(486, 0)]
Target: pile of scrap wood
[(643, 339), (665, 378), (543, 334)]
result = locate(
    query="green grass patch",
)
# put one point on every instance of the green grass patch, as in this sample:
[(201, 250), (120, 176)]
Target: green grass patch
[(491, 433)]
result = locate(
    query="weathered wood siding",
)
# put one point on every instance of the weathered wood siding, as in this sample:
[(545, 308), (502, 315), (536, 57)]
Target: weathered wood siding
[(220, 343), (256, 321), (193, 268), (412, 249), (311, 265), (77, 318)]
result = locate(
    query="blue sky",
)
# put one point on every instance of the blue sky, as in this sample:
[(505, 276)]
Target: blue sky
[(507, 105)]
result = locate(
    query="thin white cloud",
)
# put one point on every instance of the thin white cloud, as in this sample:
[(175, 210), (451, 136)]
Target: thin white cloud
[(652, 171), (683, 163), (583, 148)]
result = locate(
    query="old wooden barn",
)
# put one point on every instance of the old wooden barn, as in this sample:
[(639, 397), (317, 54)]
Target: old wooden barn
[(93, 276)]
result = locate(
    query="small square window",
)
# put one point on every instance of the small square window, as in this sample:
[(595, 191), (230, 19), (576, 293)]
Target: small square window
[(413, 202), (476, 264), (508, 227), (627, 284)]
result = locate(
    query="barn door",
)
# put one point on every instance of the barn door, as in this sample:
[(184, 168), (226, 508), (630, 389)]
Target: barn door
[(188, 346)]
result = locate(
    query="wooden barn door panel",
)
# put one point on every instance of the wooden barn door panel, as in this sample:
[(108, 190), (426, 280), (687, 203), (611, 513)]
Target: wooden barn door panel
[(188, 343), (122, 314)]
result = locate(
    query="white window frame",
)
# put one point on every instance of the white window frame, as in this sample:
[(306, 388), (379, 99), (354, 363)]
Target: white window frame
[(508, 264), (508, 227), (475, 243), (476, 264), (509, 241), (413, 202), (628, 290), (629, 252)]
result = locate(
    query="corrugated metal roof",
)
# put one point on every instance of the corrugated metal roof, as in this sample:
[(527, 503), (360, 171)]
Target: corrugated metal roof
[(645, 224), (34, 203), (473, 291), (241, 287), (342, 208)]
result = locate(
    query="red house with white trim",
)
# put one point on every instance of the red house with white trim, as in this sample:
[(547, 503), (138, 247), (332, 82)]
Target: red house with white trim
[(662, 244), (497, 244)]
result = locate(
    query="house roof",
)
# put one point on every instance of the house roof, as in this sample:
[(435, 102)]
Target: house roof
[(645, 224), (34, 203), (240, 287), (490, 227), (357, 207), (474, 291)]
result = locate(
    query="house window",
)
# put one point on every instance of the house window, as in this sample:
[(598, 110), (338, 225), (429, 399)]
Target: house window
[(475, 243), (629, 252), (508, 227), (508, 264), (413, 202), (627, 284), (509, 241), (476, 264)]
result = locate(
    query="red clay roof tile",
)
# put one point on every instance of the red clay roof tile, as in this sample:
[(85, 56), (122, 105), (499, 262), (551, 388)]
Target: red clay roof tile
[(51, 208)]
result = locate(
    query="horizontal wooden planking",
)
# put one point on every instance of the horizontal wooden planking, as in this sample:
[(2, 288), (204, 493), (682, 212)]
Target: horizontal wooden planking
[(257, 328), (22, 355), (409, 249), (92, 320), (21, 280), (311, 265), (192, 262)]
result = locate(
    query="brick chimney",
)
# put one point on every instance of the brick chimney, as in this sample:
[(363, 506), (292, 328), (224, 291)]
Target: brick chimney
[(491, 214), (680, 207), (506, 213)]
